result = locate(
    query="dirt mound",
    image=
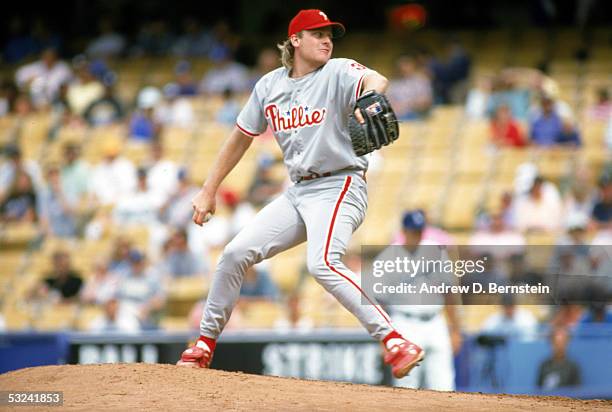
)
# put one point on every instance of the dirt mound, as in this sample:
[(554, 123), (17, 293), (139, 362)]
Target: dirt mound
[(167, 387)]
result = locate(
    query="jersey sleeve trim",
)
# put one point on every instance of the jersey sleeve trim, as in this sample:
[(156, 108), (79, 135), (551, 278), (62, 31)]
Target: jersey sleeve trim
[(243, 130), (359, 84)]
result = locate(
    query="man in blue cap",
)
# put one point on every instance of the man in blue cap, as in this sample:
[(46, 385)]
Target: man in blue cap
[(424, 318)]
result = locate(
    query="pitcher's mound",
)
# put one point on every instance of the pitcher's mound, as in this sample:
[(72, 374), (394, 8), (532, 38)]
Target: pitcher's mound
[(168, 387)]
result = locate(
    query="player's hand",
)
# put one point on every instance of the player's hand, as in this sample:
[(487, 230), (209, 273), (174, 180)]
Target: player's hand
[(204, 206), (359, 116)]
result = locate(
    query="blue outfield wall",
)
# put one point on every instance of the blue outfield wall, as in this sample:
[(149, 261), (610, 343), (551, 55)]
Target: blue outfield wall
[(513, 367), (325, 354)]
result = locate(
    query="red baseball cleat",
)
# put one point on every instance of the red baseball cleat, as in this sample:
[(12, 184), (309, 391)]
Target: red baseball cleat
[(403, 357), (196, 357)]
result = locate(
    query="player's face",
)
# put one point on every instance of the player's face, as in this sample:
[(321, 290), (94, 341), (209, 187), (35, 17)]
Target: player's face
[(316, 45)]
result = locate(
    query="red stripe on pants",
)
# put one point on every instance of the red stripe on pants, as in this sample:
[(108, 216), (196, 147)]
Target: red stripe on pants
[(347, 184)]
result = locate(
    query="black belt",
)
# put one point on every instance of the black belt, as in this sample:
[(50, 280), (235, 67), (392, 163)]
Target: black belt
[(423, 317), (314, 175)]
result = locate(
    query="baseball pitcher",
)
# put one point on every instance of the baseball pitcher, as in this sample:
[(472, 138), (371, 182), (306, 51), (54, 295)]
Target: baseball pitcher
[(326, 115)]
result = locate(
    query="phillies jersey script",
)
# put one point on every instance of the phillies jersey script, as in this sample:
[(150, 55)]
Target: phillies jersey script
[(308, 116)]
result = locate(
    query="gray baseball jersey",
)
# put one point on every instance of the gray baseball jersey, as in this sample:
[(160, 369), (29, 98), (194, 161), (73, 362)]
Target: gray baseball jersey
[(308, 116)]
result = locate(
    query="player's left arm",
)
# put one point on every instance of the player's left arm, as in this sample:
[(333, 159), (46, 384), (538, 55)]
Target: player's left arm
[(374, 81)]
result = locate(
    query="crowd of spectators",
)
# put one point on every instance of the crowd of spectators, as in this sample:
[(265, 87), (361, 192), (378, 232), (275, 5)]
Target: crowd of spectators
[(74, 199)]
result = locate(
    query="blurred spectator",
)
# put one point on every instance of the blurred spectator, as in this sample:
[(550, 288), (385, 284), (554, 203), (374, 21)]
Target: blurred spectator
[(19, 205), (162, 173), (568, 135), (225, 74), (293, 318), (558, 371), (75, 174), (602, 211), (139, 207), (580, 198), (8, 94), (575, 241), (63, 280), (175, 110), (228, 113), (602, 109), (506, 92), (61, 111), (179, 261), (267, 61), (570, 266), (114, 177), (143, 125), (153, 39), (108, 44), (119, 262), (43, 78), (101, 285), (14, 164), (598, 314), (177, 210), (549, 128), (141, 293), (184, 79), (506, 131), (540, 209), (450, 73), (410, 94), (257, 285), (511, 321), (85, 89), (478, 98), (20, 42), (108, 108), (264, 187), (55, 210), (497, 240), (519, 273), (241, 212), (195, 40), (111, 320), (23, 105)]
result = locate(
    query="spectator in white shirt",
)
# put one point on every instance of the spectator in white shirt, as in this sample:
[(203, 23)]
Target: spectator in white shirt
[(175, 110), (540, 209), (411, 93), (162, 173), (114, 177), (139, 207), (43, 77), (497, 240), (226, 74)]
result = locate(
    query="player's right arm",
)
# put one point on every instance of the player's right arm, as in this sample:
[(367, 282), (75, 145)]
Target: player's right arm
[(251, 122), (230, 154)]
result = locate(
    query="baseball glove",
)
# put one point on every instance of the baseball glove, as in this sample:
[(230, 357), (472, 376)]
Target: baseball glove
[(380, 127)]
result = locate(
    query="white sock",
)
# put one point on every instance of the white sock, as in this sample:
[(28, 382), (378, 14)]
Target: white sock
[(394, 341)]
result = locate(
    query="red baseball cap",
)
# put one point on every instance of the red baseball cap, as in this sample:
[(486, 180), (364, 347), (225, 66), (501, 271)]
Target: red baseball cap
[(314, 19)]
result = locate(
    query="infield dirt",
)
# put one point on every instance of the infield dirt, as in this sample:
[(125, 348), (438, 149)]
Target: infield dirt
[(148, 387)]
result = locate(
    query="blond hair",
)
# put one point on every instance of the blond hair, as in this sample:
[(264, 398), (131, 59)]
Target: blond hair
[(287, 51)]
